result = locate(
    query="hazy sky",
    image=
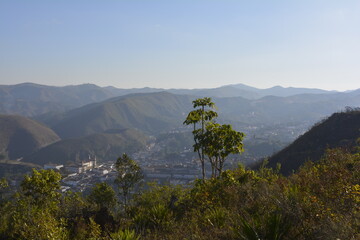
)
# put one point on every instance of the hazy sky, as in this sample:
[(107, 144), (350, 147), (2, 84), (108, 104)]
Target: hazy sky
[(181, 44)]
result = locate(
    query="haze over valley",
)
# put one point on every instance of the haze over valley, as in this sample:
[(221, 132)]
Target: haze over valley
[(154, 119), (148, 123)]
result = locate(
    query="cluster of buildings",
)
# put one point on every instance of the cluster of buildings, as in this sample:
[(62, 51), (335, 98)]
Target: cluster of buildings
[(85, 180), (77, 167), (84, 174)]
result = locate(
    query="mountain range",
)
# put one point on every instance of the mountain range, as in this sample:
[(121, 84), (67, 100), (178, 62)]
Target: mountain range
[(29, 99), (158, 112), (109, 121)]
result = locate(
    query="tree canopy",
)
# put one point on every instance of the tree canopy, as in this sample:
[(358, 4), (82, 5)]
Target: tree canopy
[(212, 140)]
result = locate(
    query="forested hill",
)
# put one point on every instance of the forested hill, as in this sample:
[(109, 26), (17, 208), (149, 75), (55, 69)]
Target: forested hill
[(105, 146), (154, 113), (150, 113), (20, 136), (339, 130)]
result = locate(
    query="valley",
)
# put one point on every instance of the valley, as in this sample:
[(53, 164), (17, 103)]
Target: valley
[(147, 124)]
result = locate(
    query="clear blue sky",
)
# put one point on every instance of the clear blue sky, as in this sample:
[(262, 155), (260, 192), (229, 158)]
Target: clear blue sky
[(181, 44)]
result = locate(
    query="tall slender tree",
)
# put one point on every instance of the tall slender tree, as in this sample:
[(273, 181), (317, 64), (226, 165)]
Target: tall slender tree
[(212, 140), (202, 114)]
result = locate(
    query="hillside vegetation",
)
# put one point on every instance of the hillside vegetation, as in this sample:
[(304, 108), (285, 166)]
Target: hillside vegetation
[(105, 146), (339, 130), (151, 113), (20, 136), (321, 201)]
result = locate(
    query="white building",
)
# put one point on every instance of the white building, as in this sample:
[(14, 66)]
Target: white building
[(53, 166)]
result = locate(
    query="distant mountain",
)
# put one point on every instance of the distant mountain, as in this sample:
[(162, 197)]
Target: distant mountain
[(122, 91), (151, 113), (221, 92), (339, 130), (29, 99), (276, 110), (20, 136), (105, 146), (224, 91), (354, 92), (280, 91), (154, 113)]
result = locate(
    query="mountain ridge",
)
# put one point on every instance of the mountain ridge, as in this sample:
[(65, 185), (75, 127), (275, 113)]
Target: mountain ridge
[(31, 99), (105, 146), (341, 129)]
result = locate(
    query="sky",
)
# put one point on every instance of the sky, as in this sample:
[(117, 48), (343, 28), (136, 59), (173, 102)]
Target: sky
[(181, 44)]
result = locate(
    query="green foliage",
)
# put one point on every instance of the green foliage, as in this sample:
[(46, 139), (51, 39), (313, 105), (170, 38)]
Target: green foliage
[(202, 115), (42, 186), (72, 205), (4, 192), (103, 196), (125, 235), (218, 142), (86, 229), (3, 184), (128, 175), (94, 231), (273, 227), (33, 214), (212, 139), (217, 217), (31, 222), (158, 217), (157, 208)]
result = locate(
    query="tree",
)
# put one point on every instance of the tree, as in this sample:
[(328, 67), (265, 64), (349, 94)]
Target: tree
[(42, 186), (33, 222), (129, 174), (201, 115), (3, 185), (103, 196), (35, 213), (212, 139), (218, 142)]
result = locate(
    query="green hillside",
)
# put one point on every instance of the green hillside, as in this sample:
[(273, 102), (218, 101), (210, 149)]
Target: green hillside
[(339, 130), (20, 136), (105, 146), (152, 113)]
